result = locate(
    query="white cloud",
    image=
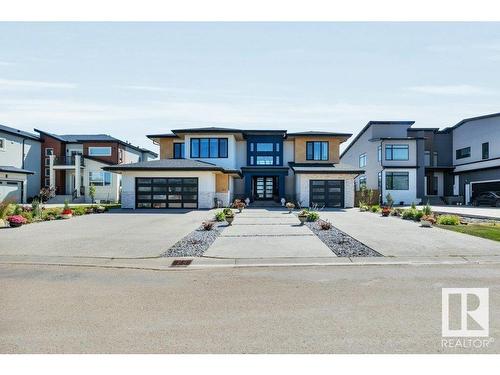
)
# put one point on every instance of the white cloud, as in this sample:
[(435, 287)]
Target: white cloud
[(452, 90), (16, 84)]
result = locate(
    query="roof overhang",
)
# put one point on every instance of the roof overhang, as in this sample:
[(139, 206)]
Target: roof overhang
[(8, 169)]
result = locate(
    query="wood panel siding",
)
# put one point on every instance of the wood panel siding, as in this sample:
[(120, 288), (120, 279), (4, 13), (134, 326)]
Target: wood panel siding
[(333, 148), (221, 183), (166, 148)]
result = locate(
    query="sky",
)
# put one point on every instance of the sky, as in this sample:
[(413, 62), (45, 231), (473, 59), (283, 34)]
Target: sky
[(133, 79)]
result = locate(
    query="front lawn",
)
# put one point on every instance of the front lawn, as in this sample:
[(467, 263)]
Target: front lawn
[(489, 231)]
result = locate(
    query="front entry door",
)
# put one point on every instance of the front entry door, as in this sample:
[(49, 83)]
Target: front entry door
[(264, 187)]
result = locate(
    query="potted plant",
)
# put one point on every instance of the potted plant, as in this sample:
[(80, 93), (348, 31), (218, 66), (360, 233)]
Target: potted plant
[(229, 216), (67, 213), (100, 209), (240, 206), (427, 221), (303, 216), (386, 211), (16, 220), (290, 207)]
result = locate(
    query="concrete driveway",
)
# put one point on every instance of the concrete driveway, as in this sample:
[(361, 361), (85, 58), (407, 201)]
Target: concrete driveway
[(118, 234), (392, 236), (267, 233)]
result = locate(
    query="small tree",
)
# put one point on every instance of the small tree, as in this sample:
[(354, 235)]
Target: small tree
[(390, 201), (92, 193)]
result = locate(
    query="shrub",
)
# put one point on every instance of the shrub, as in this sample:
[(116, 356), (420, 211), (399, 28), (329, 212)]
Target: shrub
[(448, 220), (92, 193), (364, 207), (208, 225), (386, 211), (390, 201), (418, 215), (412, 214), (413, 207), (427, 210), (28, 216), (397, 212), (46, 194), (304, 212), (5, 209), (220, 216), (325, 225), (16, 219), (375, 208), (79, 210), (51, 213), (17, 209), (227, 211), (312, 216)]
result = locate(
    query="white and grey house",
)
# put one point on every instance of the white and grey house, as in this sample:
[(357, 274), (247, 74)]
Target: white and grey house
[(19, 165)]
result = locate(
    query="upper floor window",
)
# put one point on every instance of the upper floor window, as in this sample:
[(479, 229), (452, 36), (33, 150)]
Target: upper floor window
[(49, 151), (485, 149), (265, 147), (397, 152), (2, 144), (99, 151), (462, 153), (397, 181), (178, 150), (209, 147), (316, 150), (362, 160), (427, 158)]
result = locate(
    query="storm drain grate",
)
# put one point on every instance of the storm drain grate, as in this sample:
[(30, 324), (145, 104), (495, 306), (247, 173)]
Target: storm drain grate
[(181, 263)]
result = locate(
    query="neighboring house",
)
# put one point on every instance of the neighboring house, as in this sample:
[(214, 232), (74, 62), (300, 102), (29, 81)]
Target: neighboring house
[(199, 167), (389, 157), (19, 165), (422, 165), (71, 163)]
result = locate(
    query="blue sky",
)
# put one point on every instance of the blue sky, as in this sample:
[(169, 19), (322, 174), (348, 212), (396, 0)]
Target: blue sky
[(132, 79)]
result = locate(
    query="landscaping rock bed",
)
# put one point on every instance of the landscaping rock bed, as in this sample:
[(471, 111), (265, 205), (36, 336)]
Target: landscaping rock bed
[(196, 242), (341, 243)]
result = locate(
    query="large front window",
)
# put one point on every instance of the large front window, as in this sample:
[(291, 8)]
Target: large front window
[(209, 147), (99, 178), (264, 152), (265, 160), (397, 181), (397, 152), (99, 151), (317, 151)]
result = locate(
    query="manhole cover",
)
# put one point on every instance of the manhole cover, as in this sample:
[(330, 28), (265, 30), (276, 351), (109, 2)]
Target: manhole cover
[(181, 263)]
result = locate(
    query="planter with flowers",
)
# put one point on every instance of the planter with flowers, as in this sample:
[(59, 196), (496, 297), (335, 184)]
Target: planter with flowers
[(67, 213), (239, 205), (290, 207), (427, 221), (229, 216), (16, 221), (303, 215), (386, 211)]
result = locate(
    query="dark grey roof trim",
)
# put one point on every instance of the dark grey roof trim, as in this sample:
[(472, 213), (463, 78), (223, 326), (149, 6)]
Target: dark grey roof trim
[(370, 123), (329, 171), (264, 168), (211, 129), (472, 119), (10, 169), (19, 133), (395, 139), (400, 166), (320, 134), (167, 135)]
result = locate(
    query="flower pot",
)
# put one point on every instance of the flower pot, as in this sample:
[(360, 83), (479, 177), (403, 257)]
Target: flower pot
[(240, 209), (426, 223), (15, 225), (229, 219), (66, 216), (302, 219), (290, 210)]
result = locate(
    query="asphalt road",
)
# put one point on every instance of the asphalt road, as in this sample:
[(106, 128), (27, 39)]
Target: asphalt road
[(336, 309)]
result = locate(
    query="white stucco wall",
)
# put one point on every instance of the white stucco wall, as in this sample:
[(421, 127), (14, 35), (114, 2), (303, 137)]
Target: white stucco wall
[(407, 196), (107, 193), (302, 187), (206, 185)]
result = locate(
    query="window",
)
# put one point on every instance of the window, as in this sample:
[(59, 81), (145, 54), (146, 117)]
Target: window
[(2, 144), (427, 158), (251, 147), (264, 160), (47, 172), (47, 161), (316, 150), (397, 181), (462, 153), (277, 147), (396, 152), (251, 160), (99, 178), (178, 150), (485, 150), (209, 148), (362, 182), (379, 153), (435, 158), (379, 181), (362, 160), (264, 147), (99, 151), (49, 151), (47, 182), (277, 160)]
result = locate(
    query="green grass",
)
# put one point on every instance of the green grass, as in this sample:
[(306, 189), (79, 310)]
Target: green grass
[(489, 231)]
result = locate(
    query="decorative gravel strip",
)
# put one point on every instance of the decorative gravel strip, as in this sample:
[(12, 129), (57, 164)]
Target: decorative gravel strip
[(341, 243), (196, 242)]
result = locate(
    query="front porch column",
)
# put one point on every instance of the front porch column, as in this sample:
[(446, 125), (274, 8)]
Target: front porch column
[(52, 173), (78, 174)]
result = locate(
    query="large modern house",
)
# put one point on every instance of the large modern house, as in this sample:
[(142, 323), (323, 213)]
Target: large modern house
[(19, 164), (413, 164), (71, 163), (204, 167)]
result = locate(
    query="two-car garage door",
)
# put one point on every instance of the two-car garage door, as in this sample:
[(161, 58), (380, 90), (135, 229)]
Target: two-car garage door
[(166, 192), (328, 193)]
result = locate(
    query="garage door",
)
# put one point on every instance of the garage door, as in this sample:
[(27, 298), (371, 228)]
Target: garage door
[(328, 193), (479, 187), (166, 192), (10, 190)]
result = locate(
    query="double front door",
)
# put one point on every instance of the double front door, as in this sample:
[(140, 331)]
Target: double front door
[(265, 187)]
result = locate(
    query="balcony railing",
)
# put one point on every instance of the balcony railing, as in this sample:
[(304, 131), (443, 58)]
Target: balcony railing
[(67, 160)]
